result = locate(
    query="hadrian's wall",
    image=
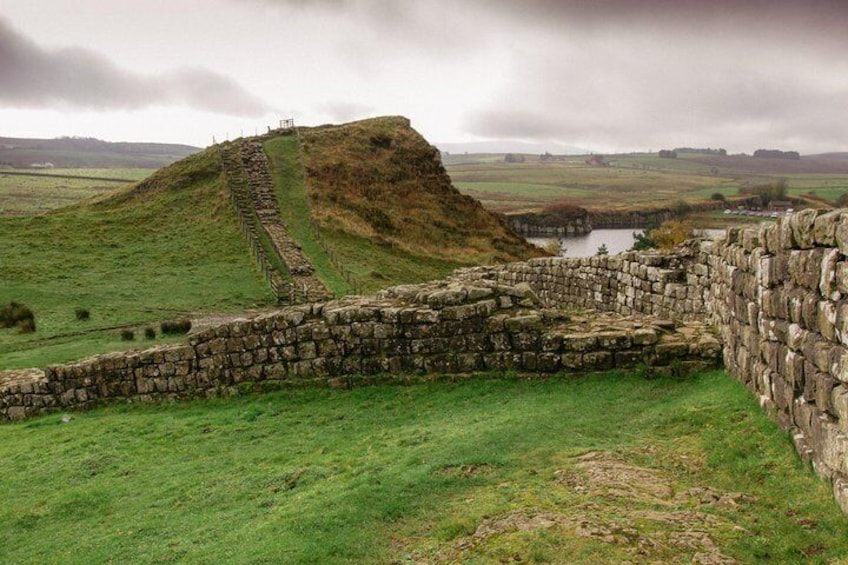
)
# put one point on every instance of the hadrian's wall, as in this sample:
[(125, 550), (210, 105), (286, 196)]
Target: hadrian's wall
[(448, 327), (777, 296), (667, 285), (780, 298)]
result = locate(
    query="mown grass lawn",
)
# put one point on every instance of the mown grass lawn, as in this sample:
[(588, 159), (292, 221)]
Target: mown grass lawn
[(476, 471)]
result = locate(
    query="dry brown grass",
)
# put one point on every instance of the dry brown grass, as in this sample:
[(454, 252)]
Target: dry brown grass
[(379, 179)]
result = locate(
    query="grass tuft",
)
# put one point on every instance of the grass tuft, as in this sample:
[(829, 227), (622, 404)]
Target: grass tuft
[(175, 327)]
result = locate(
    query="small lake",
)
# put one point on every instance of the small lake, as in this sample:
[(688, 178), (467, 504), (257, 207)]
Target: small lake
[(616, 240)]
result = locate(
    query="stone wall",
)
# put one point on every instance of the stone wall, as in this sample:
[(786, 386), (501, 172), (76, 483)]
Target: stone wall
[(450, 327), (776, 294), (668, 285), (779, 300)]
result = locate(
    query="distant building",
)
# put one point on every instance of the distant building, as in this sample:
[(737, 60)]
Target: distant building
[(41, 165), (596, 161), (779, 205)]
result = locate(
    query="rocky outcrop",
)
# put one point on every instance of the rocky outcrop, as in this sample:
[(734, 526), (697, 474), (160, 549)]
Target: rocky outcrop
[(558, 222)]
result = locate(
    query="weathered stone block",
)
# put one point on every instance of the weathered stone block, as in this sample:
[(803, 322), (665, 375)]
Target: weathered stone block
[(579, 342), (598, 360), (572, 361), (824, 228), (802, 225)]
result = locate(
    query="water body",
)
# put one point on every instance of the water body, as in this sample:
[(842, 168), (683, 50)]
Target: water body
[(616, 240)]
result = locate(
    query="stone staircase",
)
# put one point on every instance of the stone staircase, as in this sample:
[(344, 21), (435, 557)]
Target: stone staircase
[(252, 189)]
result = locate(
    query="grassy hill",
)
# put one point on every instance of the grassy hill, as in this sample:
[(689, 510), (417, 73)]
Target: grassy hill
[(171, 246), (165, 246), (602, 469)]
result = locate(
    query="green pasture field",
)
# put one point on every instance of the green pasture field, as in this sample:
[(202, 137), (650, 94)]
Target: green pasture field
[(31, 194), (522, 186), (130, 174), (829, 187), (171, 249), (592, 469), (631, 181)]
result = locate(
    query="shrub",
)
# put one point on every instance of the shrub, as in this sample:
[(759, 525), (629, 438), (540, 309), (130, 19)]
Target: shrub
[(149, 333), (127, 335), (553, 247), (82, 314), (175, 327), (27, 326), (668, 235), (718, 196), (14, 314), (775, 190), (602, 250)]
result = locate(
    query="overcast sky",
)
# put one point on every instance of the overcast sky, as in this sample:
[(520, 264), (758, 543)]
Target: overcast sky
[(605, 75)]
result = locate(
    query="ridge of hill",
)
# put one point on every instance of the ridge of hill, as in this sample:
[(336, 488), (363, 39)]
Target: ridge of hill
[(380, 180), (368, 204), (86, 152)]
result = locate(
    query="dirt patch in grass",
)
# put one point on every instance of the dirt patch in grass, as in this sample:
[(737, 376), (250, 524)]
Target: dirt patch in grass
[(465, 471), (605, 505)]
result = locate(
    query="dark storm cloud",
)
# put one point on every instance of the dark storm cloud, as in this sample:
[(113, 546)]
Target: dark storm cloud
[(34, 77), (831, 15)]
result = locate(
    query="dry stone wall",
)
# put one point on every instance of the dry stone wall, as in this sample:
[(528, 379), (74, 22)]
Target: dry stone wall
[(780, 301), (404, 332), (668, 285), (777, 295)]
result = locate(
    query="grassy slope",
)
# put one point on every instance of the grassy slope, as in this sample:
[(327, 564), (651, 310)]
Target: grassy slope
[(379, 180), (171, 243), (287, 172), (396, 474)]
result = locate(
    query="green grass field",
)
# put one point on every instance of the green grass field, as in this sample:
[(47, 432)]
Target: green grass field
[(37, 193), (595, 469), (632, 181), (143, 256)]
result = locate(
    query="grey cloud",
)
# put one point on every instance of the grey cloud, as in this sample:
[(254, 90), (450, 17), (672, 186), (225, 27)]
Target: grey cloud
[(612, 100), (33, 77)]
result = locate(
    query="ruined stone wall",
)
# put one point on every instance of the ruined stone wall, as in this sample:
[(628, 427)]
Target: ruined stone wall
[(776, 294), (404, 332), (779, 301), (668, 285)]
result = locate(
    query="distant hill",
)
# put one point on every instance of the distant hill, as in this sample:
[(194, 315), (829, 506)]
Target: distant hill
[(86, 152)]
